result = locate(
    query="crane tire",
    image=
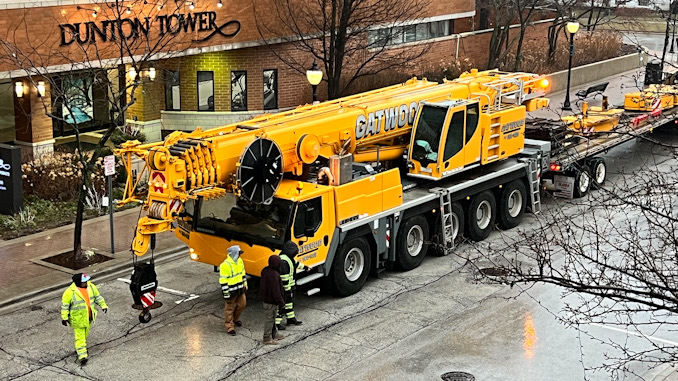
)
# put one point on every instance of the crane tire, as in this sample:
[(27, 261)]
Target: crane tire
[(481, 216), (512, 204), (412, 243)]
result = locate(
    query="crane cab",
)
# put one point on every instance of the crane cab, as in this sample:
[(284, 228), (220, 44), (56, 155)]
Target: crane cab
[(445, 138)]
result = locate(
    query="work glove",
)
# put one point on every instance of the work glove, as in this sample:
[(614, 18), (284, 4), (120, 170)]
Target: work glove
[(105, 310), (64, 323)]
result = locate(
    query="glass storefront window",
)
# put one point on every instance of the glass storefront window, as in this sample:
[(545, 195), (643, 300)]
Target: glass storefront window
[(205, 91), (172, 91), (270, 89), (238, 91), (7, 127)]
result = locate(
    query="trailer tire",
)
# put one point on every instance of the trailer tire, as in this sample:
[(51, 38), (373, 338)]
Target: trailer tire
[(350, 267), (412, 243), (582, 182), (457, 230), (512, 204), (598, 172), (481, 216)]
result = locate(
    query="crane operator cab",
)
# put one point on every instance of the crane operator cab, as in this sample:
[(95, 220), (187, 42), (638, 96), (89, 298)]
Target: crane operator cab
[(445, 139)]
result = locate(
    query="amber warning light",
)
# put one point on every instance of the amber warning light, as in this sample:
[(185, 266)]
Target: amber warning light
[(544, 83), (555, 167)]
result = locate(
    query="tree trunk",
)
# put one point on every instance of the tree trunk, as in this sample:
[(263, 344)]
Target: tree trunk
[(77, 232)]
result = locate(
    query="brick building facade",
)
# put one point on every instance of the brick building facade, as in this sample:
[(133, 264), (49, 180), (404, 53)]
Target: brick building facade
[(213, 69)]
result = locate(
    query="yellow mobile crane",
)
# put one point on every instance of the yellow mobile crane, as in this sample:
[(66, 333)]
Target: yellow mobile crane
[(305, 175)]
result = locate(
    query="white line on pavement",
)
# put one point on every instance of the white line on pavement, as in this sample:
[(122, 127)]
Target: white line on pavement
[(170, 291), (636, 334)]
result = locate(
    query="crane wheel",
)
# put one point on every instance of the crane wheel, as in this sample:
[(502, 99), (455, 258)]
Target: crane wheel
[(145, 316), (512, 204), (438, 247), (481, 216), (412, 243), (582, 182), (351, 267)]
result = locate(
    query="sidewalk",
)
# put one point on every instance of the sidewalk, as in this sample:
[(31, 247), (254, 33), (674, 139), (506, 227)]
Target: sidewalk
[(23, 275)]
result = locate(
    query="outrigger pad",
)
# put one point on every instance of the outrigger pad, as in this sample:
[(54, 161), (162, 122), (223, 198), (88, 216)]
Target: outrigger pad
[(153, 306)]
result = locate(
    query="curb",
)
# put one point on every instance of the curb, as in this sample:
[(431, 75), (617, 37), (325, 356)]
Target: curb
[(31, 297)]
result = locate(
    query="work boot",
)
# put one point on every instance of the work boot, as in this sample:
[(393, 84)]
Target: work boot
[(293, 321), (238, 323), (83, 361), (271, 342), (231, 332), (280, 327), (279, 336)]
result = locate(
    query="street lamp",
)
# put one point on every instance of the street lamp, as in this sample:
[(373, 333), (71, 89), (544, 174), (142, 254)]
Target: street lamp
[(314, 76), (572, 28)]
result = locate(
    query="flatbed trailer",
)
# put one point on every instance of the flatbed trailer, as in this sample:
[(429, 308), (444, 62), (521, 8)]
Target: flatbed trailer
[(575, 155)]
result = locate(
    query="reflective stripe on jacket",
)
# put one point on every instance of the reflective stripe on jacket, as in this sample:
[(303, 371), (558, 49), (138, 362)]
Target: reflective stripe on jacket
[(288, 277), (232, 277), (74, 307)]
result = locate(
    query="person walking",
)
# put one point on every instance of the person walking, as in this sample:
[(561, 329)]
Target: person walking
[(78, 312), (287, 273), (234, 287), (271, 294)]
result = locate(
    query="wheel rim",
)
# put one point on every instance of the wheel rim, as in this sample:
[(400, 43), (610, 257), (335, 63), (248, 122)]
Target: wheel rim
[(483, 214), (354, 264), (600, 173), (415, 240), (515, 203), (584, 180)]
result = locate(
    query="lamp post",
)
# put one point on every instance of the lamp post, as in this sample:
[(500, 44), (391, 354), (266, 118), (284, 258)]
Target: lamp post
[(673, 32), (314, 76), (572, 28)]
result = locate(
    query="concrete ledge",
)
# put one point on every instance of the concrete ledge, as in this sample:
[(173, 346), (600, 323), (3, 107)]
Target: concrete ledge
[(589, 74)]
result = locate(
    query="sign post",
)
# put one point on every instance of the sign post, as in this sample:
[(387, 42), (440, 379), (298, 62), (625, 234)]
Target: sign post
[(11, 187), (109, 171)]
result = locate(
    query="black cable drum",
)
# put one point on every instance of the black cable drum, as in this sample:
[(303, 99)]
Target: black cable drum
[(260, 170)]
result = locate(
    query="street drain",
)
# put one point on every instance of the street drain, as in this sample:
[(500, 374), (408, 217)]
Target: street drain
[(457, 376), (494, 271)]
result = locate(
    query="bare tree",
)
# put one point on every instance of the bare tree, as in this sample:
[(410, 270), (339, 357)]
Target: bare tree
[(350, 38), (91, 57), (615, 252)]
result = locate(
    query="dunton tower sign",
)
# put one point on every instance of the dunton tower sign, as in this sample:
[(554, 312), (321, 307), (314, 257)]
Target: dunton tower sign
[(132, 28)]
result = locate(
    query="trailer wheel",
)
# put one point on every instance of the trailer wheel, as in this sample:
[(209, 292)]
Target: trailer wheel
[(412, 243), (457, 230), (598, 171), (351, 267), (512, 204), (582, 182), (481, 216)]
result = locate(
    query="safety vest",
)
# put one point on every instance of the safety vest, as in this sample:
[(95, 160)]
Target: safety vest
[(288, 278), (74, 306), (232, 277)]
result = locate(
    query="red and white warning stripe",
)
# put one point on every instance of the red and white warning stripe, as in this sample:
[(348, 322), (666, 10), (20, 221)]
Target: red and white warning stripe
[(147, 299), (174, 205)]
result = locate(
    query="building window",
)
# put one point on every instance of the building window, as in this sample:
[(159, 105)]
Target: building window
[(410, 33), (172, 92), (270, 89), (238, 91), (205, 91)]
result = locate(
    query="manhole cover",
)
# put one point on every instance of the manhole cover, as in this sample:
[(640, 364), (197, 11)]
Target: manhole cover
[(494, 271), (68, 260), (457, 376)]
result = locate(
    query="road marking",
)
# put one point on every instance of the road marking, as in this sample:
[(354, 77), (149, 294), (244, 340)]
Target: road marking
[(653, 338), (170, 291)]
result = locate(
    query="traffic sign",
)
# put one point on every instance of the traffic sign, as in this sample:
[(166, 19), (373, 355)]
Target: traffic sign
[(109, 165)]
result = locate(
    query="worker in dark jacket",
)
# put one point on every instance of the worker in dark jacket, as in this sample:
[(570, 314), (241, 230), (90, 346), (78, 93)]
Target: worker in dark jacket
[(271, 294), (288, 271)]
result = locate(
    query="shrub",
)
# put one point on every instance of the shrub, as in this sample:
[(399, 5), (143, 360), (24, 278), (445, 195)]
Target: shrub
[(590, 47), (58, 176), (128, 132)]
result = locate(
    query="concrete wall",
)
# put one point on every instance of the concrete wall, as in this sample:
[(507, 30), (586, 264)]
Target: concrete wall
[(596, 71)]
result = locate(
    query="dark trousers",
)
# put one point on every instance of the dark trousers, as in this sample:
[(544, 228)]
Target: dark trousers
[(288, 310)]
